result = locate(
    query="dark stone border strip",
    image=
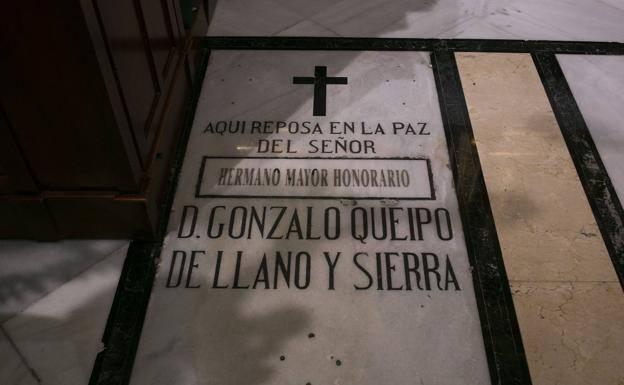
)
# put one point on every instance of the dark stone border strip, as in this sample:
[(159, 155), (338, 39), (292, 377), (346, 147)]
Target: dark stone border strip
[(113, 365), (499, 325), (121, 337), (602, 197), (405, 44)]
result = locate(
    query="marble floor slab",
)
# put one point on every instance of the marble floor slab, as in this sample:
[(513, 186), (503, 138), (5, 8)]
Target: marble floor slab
[(31, 270), (565, 290), (14, 370), (573, 331), (255, 287), (56, 303), (584, 20), (597, 83)]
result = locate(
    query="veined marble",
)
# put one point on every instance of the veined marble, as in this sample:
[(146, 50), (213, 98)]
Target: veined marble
[(566, 293), (585, 20), (597, 83), (53, 333), (31, 270), (315, 327)]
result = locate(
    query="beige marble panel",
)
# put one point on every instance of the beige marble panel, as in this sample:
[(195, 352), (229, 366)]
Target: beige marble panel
[(569, 303), (572, 331)]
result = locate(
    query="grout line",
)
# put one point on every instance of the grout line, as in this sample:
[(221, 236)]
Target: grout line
[(287, 28), (73, 277), (93, 264), (327, 28), (31, 370)]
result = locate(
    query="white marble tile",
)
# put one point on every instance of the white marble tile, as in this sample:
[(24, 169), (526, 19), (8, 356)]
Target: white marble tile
[(307, 28), (617, 4), (306, 8), (557, 20), (13, 370), (368, 18), (316, 333), (251, 18), (597, 83), (377, 18), (588, 20), (474, 28), (30, 270), (60, 335)]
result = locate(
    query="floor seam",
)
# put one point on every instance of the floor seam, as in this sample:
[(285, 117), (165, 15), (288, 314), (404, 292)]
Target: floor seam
[(31, 370), (19, 313), (287, 27)]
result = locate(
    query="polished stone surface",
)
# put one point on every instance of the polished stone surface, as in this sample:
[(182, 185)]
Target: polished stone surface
[(56, 299), (30, 270), (585, 20), (545, 224), (565, 290), (597, 83), (325, 331)]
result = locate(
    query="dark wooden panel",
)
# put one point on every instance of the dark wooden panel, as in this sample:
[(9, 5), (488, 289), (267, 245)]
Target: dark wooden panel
[(124, 31), (166, 48), (167, 141), (26, 218), (162, 38), (4, 181), (76, 78), (176, 21), (101, 217), (55, 102)]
